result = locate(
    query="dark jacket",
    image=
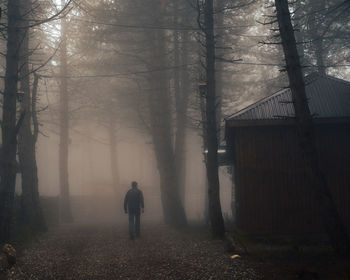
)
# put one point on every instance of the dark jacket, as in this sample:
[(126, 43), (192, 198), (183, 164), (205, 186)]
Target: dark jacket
[(133, 201)]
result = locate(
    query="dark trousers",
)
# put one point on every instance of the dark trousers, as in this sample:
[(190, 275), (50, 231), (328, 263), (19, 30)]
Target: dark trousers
[(134, 224)]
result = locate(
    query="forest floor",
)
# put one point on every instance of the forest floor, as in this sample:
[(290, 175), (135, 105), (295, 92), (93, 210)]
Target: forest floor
[(106, 252), (289, 258)]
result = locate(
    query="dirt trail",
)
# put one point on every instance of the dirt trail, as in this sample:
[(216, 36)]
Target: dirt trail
[(105, 252)]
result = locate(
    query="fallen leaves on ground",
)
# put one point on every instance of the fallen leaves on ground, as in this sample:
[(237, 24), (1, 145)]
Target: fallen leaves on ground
[(105, 252)]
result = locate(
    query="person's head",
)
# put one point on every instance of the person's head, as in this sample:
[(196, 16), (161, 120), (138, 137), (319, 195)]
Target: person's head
[(134, 184)]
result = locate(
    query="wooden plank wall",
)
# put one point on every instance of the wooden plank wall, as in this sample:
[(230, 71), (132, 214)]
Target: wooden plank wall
[(272, 191)]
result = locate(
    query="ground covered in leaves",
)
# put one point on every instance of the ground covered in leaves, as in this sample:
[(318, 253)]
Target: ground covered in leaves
[(105, 252)]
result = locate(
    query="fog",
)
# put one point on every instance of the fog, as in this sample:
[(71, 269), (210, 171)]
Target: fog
[(120, 101), (174, 139), (94, 199)]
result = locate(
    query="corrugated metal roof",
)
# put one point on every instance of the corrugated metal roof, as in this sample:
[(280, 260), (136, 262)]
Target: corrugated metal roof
[(328, 97)]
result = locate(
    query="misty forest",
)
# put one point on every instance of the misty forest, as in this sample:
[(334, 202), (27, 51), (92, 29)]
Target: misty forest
[(174, 139)]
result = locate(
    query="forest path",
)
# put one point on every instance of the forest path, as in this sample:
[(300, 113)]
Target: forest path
[(105, 252)]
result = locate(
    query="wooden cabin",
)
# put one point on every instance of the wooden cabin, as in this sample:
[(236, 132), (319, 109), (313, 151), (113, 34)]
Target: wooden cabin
[(272, 194)]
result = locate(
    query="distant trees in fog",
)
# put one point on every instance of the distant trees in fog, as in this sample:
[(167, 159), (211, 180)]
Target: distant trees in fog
[(139, 63)]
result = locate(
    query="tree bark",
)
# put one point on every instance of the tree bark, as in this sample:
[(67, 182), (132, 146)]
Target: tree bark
[(216, 219), (202, 101), (31, 215), (219, 66), (9, 142), (179, 133), (161, 130), (181, 103), (173, 210), (306, 132), (65, 207)]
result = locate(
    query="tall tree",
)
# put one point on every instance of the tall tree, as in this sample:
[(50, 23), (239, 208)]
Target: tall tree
[(161, 124), (9, 128), (31, 213), (182, 93), (65, 207), (215, 214), (306, 132), (219, 52)]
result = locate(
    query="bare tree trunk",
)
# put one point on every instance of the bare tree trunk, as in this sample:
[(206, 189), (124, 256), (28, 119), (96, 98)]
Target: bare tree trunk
[(65, 208), (332, 222), (31, 213), (161, 130), (216, 219), (219, 36), (219, 66), (179, 134), (173, 210), (9, 143), (202, 101), (181, 100)]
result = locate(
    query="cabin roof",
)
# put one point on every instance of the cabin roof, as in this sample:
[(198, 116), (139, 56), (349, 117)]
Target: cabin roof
[(328, 98)]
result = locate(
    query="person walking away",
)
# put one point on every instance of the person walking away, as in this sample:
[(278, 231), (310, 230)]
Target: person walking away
[(133, 204)]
